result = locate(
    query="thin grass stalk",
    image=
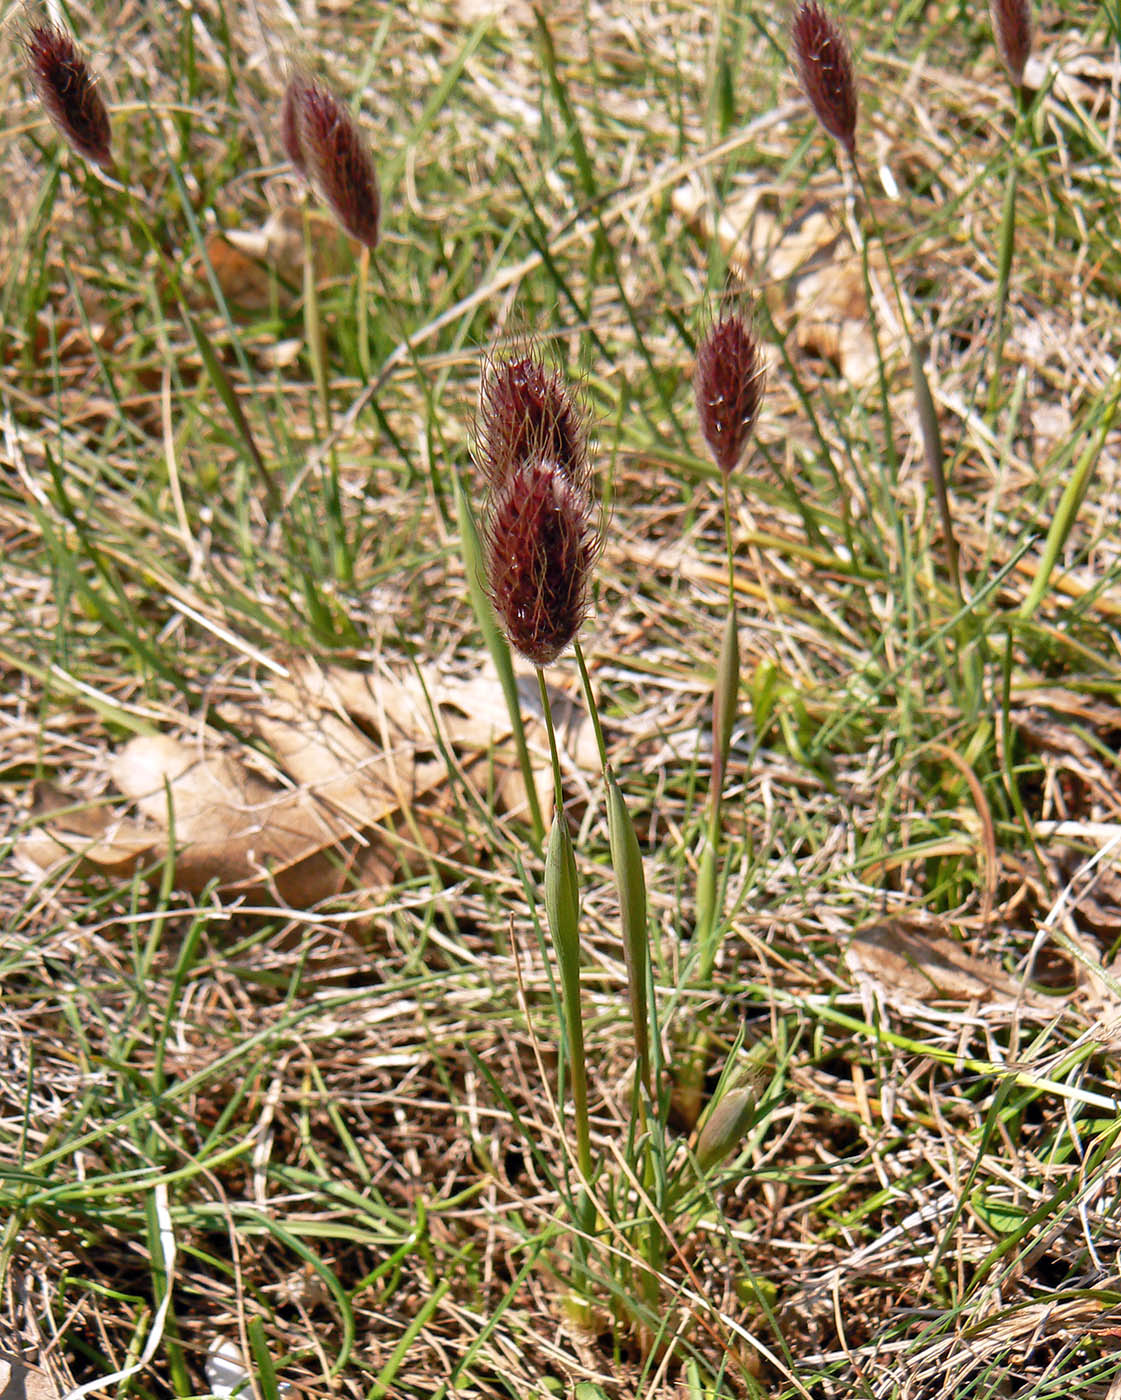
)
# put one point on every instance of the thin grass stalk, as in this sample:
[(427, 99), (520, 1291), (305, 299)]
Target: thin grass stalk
[(890, 470), (319, 611), (630, 883), (391, 312), (708, 914), (589, 700), (385, 1382), (220, 380), (1074, 493), (162, 1273), (363, 310), (924, 400), (725, 703), (932, 453), (342, 565), (562, 910), (1008, 774), (932, 444), (499, 649), (706, 893), (1004, 273), (826, 456), (264, 1368)]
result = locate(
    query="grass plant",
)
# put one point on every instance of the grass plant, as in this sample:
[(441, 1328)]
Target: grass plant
[(864, 1141)]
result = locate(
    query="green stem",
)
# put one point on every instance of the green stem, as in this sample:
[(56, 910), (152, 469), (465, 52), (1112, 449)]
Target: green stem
[(341, 565), (563, 911), (630, 884), (499, 650), (589, 700), (1004, 274), (363, 328), (554, 752), (928, 418), (725, 702)]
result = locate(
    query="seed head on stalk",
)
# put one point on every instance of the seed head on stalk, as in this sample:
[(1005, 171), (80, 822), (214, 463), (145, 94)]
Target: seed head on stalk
[(1012, 29), (826, 71), (542, 538), (542, 530), (541, 535), (66, 88), (324, 143), (728, 385)]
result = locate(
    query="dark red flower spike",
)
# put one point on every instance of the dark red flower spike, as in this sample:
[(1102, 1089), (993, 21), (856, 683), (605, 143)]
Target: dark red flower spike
[(68, 92), (728, 384), (826, 71)]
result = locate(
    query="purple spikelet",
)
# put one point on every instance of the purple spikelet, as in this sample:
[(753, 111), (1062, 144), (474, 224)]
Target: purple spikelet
[(524, 410), (67, 90), (541, 542), (1012, 29), (324, 143), (290, 123), (728, 385), (542, 532), (826, 71)]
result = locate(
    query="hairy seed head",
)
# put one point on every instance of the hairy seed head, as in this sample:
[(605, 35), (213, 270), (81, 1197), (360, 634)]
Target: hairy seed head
[(728, 385), (525, 412), (323, 141), (290, 122), (541, 539), (67, 90), (1013, 31), (826, 71)]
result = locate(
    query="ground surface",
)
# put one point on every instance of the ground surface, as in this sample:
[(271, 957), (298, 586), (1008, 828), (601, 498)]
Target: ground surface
[(306, 1067)]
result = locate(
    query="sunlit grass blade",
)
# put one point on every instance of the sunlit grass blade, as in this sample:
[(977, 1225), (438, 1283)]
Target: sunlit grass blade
[(498, 648), (1070, 502), (630, 881)]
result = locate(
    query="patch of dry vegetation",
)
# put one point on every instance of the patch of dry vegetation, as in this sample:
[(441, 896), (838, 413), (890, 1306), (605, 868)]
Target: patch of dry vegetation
[(347, 1115)]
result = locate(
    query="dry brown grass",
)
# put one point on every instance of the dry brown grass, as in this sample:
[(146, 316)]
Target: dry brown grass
[(353, 1107)]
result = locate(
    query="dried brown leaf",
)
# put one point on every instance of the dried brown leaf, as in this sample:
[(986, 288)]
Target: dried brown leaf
[(228, 824), (814, 261), (359, 790), (63, 827), (19, 1381), (913, 967), (254, 265)]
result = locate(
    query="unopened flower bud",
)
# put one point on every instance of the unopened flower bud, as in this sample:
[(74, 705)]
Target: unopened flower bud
[(728, 385), (67, 90), (323, 141), (725, 1127), (826, 72)]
